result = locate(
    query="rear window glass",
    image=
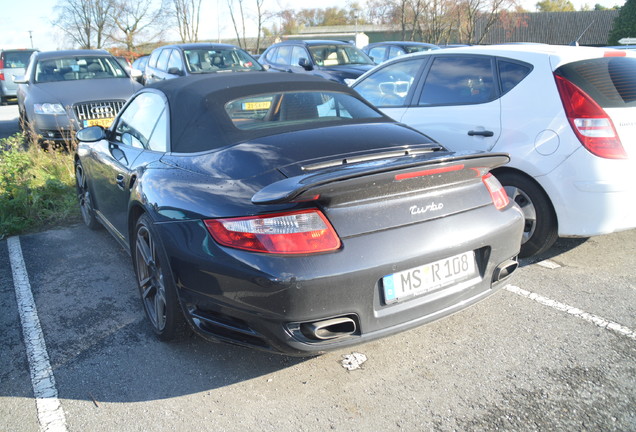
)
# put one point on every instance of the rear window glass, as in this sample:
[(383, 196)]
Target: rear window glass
[(297, 108), (610, 81), (16, 59)]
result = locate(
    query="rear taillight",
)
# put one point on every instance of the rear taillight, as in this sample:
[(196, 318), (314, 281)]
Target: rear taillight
[(300, 232), (590, 122), (497, 192), (1, 67)]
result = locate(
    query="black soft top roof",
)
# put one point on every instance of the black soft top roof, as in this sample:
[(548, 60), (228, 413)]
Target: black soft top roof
[(197, 105)]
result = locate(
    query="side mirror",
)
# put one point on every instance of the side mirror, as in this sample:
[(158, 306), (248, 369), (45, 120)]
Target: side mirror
[(20, 79), (175, 71), (91, 134), (306, 64), (136, 74)]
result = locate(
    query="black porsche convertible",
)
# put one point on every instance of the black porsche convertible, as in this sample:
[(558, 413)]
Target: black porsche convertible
[(283, 212)]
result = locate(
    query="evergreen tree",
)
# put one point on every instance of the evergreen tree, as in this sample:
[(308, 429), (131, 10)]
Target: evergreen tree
[(624, 24)]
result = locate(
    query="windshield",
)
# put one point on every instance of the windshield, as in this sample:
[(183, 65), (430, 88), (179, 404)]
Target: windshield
[(219, 60), (78, 68), (338, 55), (297, 108)]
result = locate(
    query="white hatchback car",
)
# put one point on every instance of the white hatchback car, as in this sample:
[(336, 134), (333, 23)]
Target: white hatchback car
[(566, 115)]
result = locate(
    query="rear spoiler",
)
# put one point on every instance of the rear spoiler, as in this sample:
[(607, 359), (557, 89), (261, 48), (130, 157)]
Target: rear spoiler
[(306, 187)]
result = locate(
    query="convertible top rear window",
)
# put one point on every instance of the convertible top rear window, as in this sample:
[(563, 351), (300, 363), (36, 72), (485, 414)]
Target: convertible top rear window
[(215, 110), (295, 108)]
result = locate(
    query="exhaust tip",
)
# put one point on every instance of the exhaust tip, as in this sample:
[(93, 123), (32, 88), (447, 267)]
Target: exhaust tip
[(329, 329), (504, 270)]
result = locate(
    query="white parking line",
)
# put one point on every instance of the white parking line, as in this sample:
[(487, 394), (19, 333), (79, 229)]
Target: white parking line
[(50, 414), (594, 319)]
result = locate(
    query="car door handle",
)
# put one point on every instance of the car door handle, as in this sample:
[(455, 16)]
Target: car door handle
[(120, 181), (484, 133)]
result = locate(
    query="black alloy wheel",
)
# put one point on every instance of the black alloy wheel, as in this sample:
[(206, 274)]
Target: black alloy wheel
[(540, 228), (154, 280), (84, 197)]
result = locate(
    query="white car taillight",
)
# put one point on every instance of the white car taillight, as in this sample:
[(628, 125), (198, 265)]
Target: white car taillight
[(589, 121), (300, 232), (497, 192)]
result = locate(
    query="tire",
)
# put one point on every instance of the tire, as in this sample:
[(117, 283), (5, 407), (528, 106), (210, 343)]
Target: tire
[(540, 230), (155, 283), (84, 198)]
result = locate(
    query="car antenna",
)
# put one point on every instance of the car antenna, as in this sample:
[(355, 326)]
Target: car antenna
[(576, 41)]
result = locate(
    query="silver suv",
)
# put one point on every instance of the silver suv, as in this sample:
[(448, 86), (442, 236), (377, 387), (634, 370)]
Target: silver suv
[(12, 62)]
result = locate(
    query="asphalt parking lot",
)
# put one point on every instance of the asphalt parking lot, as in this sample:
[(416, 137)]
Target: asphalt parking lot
[(9, 119), (554, 350), (511, 362)]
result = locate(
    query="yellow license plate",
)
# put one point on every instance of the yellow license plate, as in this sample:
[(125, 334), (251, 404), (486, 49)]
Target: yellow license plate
[(105, 122), (253, 106)]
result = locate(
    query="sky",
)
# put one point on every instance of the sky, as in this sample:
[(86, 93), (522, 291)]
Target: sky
[(27, 23)]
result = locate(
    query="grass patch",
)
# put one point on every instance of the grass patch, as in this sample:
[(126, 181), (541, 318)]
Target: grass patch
[(37, 187)]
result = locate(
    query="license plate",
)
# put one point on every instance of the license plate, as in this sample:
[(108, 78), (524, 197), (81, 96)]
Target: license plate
[(105, 122), (428, 277), (254, 106)]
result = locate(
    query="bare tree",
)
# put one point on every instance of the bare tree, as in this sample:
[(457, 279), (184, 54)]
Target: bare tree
[(187, 14), (379, 11), (137, 20), (260, 20), (486, 11), (102, 22), (441, 21), (436, 24), (288, 23), (85, 22), (238, 21)]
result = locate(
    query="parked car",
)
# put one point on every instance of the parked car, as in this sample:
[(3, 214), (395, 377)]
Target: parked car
[(383, 51), (64, 91), (564, 114), (333, 60), (623, 47), (139, 65), (12, 62), (124, 62), (283, 212), (173, 61)]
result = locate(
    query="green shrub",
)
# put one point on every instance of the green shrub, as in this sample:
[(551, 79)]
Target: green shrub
[(37, 187)]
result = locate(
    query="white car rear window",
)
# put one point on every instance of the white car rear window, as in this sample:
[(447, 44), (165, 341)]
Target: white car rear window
[(610, 81)]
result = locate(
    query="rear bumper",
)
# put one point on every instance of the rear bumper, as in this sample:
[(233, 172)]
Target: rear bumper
[(8, 89), (258, 300), (591, 195)]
